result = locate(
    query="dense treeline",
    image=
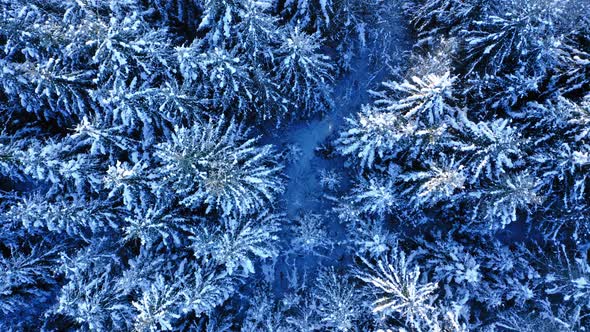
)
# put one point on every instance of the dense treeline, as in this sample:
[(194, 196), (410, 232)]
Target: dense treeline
[(480, 147)]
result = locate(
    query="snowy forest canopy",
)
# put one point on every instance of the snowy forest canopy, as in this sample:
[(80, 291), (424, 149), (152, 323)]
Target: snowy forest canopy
[(294, 165)]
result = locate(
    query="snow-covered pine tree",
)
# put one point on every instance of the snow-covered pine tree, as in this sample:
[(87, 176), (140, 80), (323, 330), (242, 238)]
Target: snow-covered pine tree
[(339, 302), (574, 61), (405, 117), (492, 148), (304, 72), (514, 33), (433, 18), (424, 101), (219, 76), (398, 291), (238, 241), (314, 15), (27, 278), (215, 163), (376, 135)]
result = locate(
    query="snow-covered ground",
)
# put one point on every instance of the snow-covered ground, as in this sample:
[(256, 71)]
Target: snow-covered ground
[(305, 193)]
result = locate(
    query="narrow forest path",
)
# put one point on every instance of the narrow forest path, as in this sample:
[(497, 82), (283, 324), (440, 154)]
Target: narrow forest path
[(304, 194)]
